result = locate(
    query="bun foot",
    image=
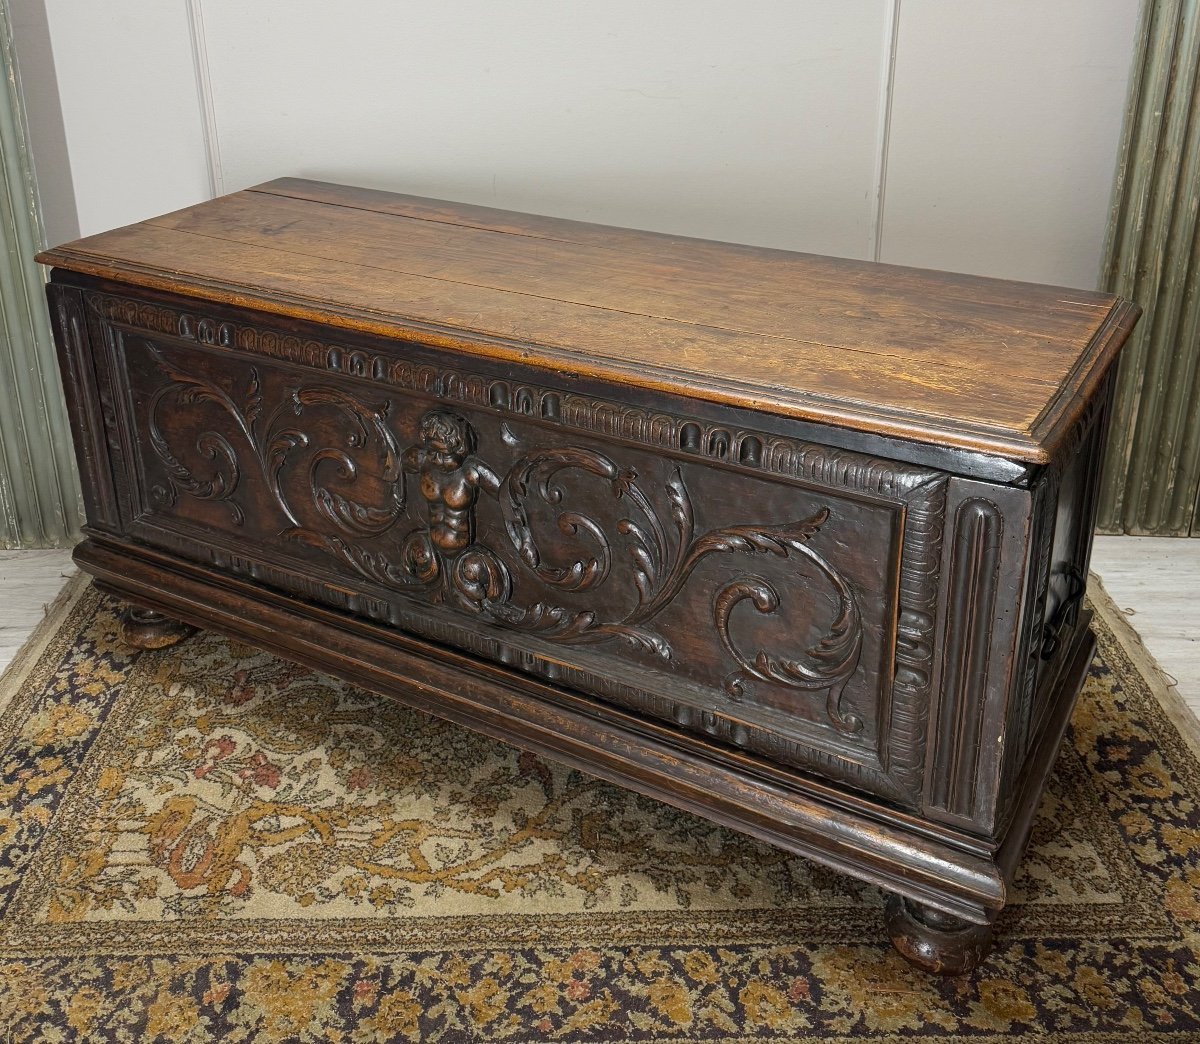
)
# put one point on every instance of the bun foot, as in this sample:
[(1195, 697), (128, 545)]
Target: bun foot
[(146, 629), (934, 941)]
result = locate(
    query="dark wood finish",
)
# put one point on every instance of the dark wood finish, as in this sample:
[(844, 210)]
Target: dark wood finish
[(146, 629), (936, 941), (792, 542)]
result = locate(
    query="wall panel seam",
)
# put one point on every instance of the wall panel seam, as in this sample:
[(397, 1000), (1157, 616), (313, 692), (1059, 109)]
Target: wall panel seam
[(204, 97), (891, 39)]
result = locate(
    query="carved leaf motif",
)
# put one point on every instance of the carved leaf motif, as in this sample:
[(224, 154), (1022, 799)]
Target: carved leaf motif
[(279, 446), (213, 446), (254, 399), (828, 665), (368, 423), (831, 661), (681, 508), (372, 564), (557, 623), (537, 473)]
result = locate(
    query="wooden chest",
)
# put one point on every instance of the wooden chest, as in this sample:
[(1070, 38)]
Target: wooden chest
[(793, 542)]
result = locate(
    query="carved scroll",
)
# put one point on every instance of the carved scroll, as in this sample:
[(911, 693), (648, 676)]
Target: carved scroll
[(432, 548)]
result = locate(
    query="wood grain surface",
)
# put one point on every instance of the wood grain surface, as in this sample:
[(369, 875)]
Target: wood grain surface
[(982, 364)]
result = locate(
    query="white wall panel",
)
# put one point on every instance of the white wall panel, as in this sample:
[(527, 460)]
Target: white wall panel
[(131, 117), (752, 122), (757, 122), (1006, 119)]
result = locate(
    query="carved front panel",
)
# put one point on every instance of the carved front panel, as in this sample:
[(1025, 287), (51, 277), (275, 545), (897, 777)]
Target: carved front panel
[(776, 595)]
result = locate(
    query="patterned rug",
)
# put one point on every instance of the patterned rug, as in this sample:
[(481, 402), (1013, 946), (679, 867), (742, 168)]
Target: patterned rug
[(208, 843)]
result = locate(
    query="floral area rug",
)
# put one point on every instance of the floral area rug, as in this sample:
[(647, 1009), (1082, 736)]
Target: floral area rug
[(208, 843)]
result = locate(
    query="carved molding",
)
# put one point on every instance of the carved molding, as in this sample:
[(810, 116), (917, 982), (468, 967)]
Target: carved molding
[(916, 627), (1036, 597), (974, 586), (732, 446), (79, 384)]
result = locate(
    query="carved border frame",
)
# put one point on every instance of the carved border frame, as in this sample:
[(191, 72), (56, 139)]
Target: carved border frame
[(918, 492)]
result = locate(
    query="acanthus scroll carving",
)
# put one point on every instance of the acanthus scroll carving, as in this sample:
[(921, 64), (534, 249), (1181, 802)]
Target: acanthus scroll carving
[(432, 548)]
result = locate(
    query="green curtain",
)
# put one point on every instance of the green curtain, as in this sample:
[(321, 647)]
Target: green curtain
[(1152, 255), (39, 497)]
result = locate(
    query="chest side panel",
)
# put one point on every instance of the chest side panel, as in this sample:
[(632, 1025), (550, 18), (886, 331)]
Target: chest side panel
[(777, 595)]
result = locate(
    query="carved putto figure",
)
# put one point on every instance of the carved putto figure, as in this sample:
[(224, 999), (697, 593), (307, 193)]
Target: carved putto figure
[(450, 477)]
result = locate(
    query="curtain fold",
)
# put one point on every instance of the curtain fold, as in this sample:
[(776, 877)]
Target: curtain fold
[(39, 496), (1152, 255)]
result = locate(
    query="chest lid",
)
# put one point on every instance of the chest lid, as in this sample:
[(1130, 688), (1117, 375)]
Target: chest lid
[(987, 365)]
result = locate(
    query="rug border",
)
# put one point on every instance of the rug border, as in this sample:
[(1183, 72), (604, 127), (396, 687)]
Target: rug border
[(1160, 683), (55, 615)]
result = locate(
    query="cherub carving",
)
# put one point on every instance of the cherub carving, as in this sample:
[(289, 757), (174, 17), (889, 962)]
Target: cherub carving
[(450, 478)]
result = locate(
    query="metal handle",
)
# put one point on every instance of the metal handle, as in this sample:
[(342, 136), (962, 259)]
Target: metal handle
[(1053, 629)]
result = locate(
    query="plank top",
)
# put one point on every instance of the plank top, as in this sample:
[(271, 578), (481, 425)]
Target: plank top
[(981, 364)]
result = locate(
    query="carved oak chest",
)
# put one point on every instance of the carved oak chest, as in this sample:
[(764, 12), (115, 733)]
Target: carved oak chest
[(793, 542)]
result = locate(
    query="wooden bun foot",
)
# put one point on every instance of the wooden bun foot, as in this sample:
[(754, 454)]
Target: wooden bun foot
[(146, 629), (935, 941)]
